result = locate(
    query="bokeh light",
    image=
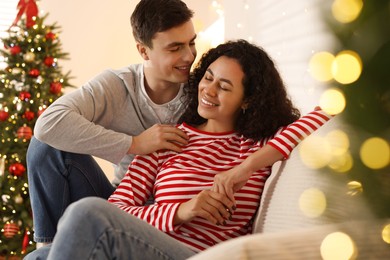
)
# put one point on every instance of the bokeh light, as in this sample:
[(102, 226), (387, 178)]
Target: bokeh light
[(346, 67), (315, 152), (312, 202), (375, 153), (341, 163), (339, 141), (386, 234), (342, 160), (346, 11), (332, 101), (338, 245), (320, 66), (354, 188)]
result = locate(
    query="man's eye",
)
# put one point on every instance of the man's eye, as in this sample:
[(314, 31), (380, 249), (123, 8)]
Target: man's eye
[(174, 49)]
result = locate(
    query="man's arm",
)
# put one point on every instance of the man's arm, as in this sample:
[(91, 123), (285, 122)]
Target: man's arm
[(81, 121)]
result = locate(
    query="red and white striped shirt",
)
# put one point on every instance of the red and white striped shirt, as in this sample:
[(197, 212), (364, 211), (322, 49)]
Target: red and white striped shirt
[(173, 178)]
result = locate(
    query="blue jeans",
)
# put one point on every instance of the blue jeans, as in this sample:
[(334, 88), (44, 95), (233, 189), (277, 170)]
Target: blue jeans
[(56, 179), (93, 228)]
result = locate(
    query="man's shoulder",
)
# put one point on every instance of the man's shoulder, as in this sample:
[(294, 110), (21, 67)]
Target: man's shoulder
[(130, 76), (132, 70)]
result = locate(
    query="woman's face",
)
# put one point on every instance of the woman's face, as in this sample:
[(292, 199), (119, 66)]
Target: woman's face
[(221, 94)]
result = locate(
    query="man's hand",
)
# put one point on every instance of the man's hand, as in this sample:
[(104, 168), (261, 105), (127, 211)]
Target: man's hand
[(158, 137), (212, 206)]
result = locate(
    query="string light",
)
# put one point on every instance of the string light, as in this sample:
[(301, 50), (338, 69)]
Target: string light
[(338, 245), (346, 67), (312, 202), (346, 11), (332, 101), (375, 153)]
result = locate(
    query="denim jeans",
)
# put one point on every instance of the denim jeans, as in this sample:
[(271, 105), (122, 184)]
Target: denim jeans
[(93, 228), (56, 179)]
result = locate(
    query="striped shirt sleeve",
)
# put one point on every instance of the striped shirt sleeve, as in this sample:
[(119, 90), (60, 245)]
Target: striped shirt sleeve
[(287, 138), (135, 189)]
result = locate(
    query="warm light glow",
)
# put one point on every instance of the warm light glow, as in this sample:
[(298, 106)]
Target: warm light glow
[(338, 245), (375, 153), (332, 101), (341, 163), (315, 152), (386, 234), (347, 67), (320, 66), (312, 202), (198, 25), (339, 141), (346, 11), (354, 188)]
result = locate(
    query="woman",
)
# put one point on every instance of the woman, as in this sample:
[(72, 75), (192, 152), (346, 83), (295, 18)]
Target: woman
[(244, 121)]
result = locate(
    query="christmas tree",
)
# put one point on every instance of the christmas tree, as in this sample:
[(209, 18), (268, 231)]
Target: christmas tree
[(31, 81), (362, 32)]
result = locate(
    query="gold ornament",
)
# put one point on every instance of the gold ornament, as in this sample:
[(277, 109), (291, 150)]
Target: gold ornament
[(29, 57)]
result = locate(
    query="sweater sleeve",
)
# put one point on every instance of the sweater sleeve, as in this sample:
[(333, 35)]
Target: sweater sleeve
[(80, 121), (137, 187), (287, 138)]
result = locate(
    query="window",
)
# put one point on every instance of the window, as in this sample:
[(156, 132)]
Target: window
[(8, 13)]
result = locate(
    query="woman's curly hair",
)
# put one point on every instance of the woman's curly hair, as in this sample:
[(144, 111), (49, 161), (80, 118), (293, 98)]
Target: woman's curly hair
[(269, 106)]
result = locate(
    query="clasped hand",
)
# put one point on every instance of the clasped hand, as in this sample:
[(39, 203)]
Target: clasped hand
[(216, 205)]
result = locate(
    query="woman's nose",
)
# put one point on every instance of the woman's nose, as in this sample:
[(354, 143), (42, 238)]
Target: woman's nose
[(211, 90)]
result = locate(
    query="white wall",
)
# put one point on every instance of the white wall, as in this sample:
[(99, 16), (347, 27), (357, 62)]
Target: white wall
[(291, 32)]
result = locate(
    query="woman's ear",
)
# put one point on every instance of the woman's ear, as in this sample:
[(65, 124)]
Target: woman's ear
[(143, 51), (244, 105)]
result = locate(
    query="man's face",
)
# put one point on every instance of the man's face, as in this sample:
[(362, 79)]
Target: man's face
[(172, 54)]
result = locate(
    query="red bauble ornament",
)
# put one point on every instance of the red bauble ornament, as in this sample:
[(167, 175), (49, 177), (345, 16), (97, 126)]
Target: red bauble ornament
[(49, 61), (3, 115), (17, 169), (50, 36), (15, 50), (29, 115), (24, 132), (55, 87), (34, 73), (25, 241), (24, 95), (10, 230)]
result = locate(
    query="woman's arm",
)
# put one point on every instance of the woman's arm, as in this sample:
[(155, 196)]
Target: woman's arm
[(137, 186), (279, 147)]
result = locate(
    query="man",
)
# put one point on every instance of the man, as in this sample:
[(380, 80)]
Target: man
[(116, 115)]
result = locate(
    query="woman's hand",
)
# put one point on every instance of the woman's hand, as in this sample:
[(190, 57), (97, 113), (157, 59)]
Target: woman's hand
[(231, 181), (212, 206)]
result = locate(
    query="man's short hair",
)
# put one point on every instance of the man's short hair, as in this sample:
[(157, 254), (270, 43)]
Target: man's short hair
[(153, 16)]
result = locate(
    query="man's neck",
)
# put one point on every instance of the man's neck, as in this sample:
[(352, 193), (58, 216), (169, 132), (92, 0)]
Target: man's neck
[(161, 92)]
